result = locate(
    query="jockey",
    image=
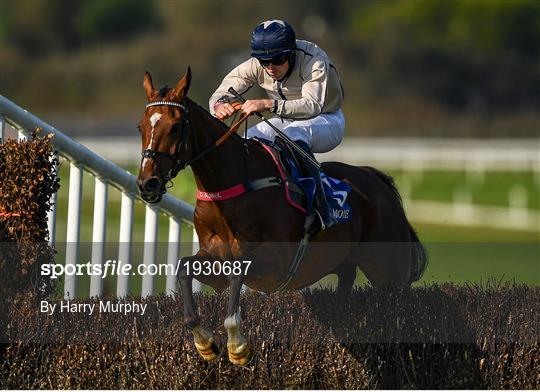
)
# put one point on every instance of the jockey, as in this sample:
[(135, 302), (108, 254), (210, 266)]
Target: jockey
[(304, 92)]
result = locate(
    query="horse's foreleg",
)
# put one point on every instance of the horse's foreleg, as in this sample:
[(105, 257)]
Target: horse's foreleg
[(237, 345), (204, 340)]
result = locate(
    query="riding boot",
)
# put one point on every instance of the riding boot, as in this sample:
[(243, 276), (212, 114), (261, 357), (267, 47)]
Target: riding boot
[(323, 208)]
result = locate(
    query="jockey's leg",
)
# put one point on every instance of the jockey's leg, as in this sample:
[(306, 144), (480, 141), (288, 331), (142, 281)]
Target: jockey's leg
[(325, 213), (264, 131), (322, 133), (319, 134)]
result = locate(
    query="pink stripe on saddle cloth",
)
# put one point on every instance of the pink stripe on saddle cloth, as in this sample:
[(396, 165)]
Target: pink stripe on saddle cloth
[(283, 176)]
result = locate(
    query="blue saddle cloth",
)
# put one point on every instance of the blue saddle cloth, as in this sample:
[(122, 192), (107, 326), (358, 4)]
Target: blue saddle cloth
[(336, 191)]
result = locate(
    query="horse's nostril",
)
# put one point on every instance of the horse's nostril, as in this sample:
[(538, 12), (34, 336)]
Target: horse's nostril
[(152, 184)]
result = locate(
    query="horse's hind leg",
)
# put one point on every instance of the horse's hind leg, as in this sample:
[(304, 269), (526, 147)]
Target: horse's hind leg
[(204, 340), (346, 274), (386, 264), (237, 345)]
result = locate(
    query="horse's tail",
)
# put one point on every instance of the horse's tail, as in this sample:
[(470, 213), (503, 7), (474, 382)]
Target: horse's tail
[(419, 254)]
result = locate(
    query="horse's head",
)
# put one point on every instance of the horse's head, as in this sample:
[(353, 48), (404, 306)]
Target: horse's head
[(165, 130)]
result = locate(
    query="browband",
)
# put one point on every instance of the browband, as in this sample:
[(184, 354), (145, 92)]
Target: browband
[(170, 103)]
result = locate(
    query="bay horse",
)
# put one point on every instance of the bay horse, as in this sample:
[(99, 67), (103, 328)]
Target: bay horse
[(261, 226)]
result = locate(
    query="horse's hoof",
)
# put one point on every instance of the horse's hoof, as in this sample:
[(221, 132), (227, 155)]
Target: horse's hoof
[(240, 354), (205, 343), (209, 351)]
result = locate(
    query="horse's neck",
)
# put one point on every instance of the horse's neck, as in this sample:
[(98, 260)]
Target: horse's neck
[(224, 166)]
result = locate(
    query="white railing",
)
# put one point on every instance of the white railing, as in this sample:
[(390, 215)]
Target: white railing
[(417, 154), (106, 174)]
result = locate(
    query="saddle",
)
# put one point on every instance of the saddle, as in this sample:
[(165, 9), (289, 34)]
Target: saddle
[(283, 158), (299, 188)]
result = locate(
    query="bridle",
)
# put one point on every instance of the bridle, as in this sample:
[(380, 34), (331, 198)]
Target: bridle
[(179, 165)]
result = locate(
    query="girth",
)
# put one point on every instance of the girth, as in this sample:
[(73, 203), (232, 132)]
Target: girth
[(240, 189)]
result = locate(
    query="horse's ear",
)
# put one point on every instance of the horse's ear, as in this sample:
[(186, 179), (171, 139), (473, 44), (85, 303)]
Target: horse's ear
[(148, 86), (182, 87)]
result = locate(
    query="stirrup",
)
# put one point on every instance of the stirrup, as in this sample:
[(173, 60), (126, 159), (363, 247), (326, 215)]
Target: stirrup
[(324, 210), (313, 223), (316, 223), (321, 221), (323, 226)]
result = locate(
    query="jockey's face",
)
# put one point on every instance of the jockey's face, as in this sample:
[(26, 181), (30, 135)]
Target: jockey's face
[(277, 72)]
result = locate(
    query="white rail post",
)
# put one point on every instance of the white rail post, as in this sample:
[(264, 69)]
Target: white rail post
[(51, 215), (73, 226), (150, 245), (175, 233), (99, 234), (197, 286), (517, 205), (22, 137), (124, 248), (2, 129)]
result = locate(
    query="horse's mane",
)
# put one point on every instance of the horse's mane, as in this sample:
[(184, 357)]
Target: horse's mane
[(222, 126), (164, 91)]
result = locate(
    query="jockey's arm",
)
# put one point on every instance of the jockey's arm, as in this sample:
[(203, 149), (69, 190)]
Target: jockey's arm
[(241, 79)]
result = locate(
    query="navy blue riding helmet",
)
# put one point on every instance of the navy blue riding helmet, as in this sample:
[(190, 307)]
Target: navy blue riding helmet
[(271, 39)]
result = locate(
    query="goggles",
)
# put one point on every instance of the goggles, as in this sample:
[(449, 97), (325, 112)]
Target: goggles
[(276, 60)]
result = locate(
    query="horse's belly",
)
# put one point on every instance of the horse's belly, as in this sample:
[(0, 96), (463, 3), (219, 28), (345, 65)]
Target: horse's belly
[(271, 268)]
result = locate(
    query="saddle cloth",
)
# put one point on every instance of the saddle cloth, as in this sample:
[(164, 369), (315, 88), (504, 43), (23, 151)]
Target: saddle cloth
[(300, 191)]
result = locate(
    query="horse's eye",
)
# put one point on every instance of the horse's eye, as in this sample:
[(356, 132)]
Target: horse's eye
[(176, 128), (139, 128)]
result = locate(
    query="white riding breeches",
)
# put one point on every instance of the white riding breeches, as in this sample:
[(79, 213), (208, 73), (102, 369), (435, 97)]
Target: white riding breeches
[(322, 133)]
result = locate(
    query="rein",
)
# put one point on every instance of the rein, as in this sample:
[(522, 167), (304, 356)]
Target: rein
[(218, 142)]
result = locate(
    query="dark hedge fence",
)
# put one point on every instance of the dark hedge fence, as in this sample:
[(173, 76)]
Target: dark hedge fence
[(27, 181), (432, 337)]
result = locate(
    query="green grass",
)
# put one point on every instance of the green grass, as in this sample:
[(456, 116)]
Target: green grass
[(476, 254), (492, 188), (462, 255), (432, 233)]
